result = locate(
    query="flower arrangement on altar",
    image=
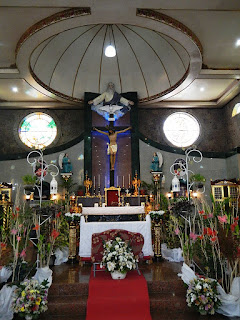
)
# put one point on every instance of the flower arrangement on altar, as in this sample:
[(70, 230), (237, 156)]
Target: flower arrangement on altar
[(118, 256), (30, 299), (72, 217), (155, 215), (202, 295)]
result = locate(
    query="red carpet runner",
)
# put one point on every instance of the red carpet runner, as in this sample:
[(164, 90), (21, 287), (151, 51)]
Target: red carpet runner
[(118, 299)]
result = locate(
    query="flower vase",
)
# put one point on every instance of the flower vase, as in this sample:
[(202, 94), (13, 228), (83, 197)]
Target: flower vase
[(116, 275), (28, 317)]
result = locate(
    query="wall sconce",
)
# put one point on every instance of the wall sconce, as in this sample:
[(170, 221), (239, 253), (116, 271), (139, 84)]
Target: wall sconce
[(175, 184)]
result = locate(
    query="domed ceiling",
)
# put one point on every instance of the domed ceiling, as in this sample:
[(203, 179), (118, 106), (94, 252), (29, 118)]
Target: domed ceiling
[(152, 62)]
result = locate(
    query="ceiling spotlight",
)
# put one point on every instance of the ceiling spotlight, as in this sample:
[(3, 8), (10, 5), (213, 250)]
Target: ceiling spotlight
[(237, 43), (14, 89), (110, 51), (202, 89)]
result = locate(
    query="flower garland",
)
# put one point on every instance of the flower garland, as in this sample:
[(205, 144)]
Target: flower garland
[(118, 256), (202, 295)]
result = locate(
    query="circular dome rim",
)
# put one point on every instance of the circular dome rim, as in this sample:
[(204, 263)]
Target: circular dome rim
[(195, 58)]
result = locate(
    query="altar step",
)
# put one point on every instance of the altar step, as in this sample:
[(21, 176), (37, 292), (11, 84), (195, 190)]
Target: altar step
[(69, 292), (68, 301)]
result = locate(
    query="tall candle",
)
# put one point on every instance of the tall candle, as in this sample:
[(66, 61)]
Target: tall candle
[(94, 182), (105, 182), (123, 181), (99, 180), (117, 181), (129, 179)]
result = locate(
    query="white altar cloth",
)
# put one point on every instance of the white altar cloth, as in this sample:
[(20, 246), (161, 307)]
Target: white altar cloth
[(113, 210), (88, 228)]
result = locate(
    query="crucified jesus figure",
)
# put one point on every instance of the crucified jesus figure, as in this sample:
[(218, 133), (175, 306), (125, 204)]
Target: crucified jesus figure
[(112, 146)]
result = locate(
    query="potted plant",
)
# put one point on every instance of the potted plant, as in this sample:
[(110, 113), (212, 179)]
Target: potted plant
[(198, 179), (29, 182), (118, 258)]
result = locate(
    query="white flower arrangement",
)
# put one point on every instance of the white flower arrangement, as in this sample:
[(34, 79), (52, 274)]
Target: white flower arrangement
[(156, 214), (202, 295), (118, 256)]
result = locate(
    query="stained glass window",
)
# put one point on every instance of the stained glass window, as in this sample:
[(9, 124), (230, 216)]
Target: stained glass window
[(37, 130), (236, 109), (181, 129)]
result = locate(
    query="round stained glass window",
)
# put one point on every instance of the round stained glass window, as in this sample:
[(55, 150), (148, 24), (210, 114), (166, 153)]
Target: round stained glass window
[(236, 110), (181, 129), (37, 130)]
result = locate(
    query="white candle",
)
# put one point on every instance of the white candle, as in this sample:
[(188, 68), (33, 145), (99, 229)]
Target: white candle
[(99, 180), (105, 182), (123, 181), (117, 181)]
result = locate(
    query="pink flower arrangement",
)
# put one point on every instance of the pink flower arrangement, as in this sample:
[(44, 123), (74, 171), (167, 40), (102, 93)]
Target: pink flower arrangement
[(222, 219), (193, 236), (177, 231), (14, 231)]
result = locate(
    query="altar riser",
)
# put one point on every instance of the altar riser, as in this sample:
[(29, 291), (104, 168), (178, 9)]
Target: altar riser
[(167, 293), (71, 299)]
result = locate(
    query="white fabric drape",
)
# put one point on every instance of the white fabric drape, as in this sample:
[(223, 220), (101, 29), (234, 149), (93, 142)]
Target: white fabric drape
[(88, 228), (173, 255)]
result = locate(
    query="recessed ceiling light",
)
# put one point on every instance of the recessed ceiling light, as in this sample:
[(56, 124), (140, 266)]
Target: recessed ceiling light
[(202, 89), (14, 89), (238, 43), (110, 51)]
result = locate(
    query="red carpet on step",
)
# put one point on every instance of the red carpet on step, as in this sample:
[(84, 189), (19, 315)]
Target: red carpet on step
[(118, 299)]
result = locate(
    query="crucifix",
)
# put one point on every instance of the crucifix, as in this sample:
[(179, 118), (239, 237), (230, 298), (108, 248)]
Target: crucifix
[(112, 146), (111, 106)]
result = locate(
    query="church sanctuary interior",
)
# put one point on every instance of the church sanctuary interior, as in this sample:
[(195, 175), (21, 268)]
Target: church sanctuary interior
[(119, 159)]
